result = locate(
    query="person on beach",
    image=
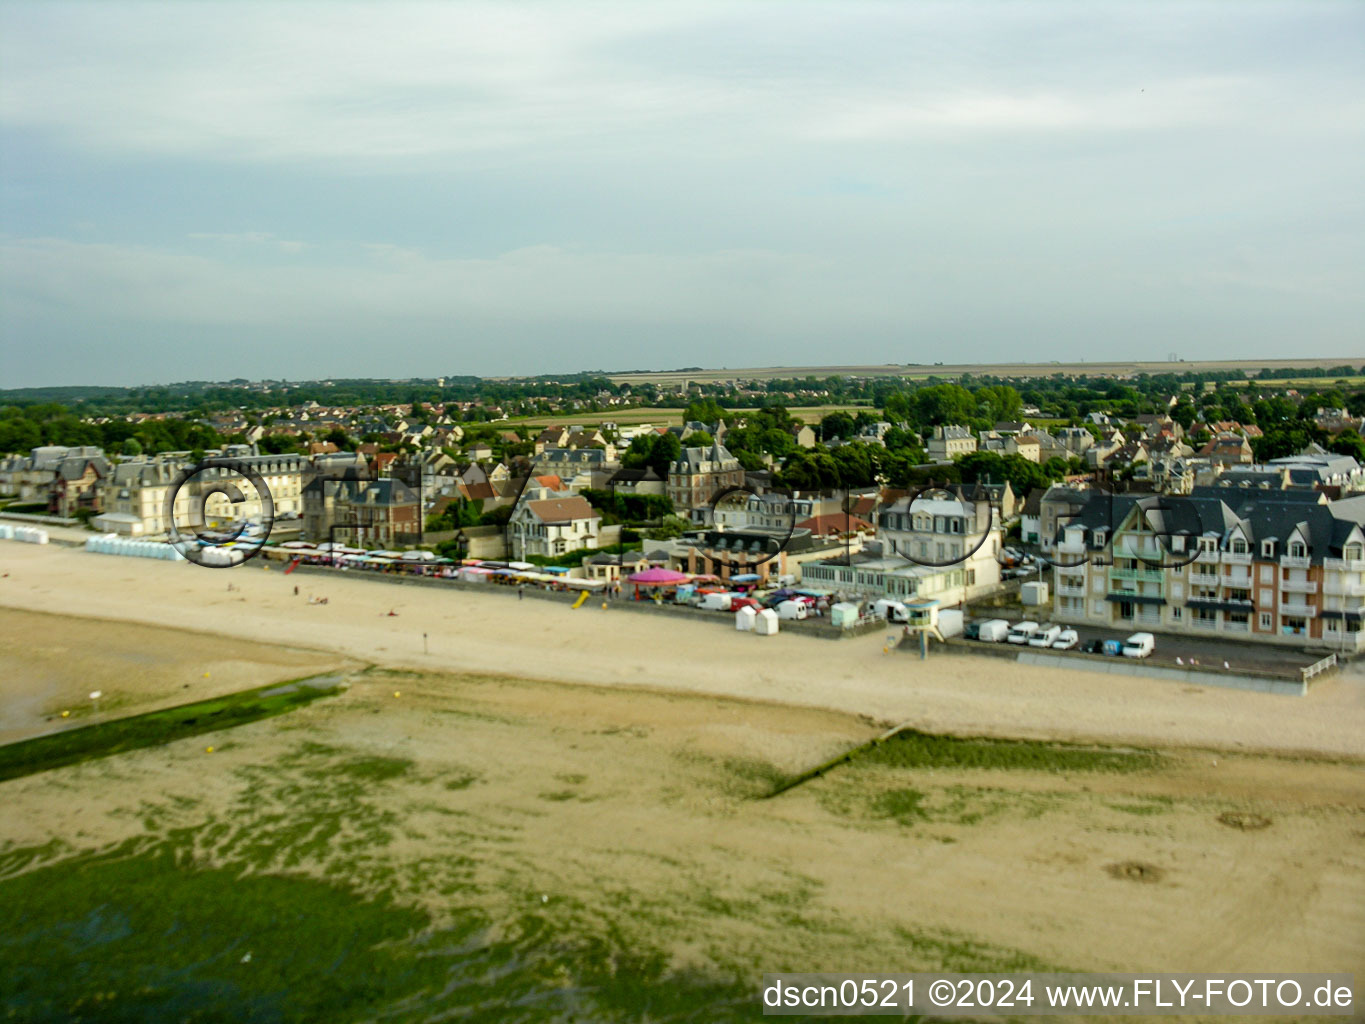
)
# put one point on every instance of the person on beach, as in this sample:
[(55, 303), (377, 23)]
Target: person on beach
[(296, 590), (521, 591)]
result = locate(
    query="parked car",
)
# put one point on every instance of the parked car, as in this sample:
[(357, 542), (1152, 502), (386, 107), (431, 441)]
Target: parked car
[(1045, 636), (1022, 632), (971, 630), (992, 630), (1139, 645), (1093, 647), (1066, 639)]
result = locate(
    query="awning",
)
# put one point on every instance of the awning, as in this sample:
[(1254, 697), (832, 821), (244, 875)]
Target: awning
[(1208, 604)]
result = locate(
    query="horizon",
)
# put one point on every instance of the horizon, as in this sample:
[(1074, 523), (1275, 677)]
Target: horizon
[(936, 370)]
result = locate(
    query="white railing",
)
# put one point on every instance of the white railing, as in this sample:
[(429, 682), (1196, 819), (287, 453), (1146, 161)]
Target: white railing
[(1301, 611), (1344, 564), (1071, 590), (1237, 579), (1236, 557), (1207, 557), (1319, 667), (1294, 561), (1299, 586)]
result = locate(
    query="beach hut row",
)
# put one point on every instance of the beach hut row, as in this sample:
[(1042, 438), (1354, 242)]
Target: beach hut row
[(24, 534), (113, 544)]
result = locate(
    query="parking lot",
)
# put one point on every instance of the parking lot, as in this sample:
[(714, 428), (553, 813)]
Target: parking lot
[(1206, 654)]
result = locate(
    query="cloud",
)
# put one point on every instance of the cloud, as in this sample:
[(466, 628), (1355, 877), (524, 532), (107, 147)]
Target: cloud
[(379, 85)]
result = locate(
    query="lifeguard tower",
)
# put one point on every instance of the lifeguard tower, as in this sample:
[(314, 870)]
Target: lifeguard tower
[(922, 621)]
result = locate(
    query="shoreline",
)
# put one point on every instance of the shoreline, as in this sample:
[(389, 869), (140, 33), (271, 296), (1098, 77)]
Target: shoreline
[(545, 641)]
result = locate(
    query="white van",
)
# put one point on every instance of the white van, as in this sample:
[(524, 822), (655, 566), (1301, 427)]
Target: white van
[(793, 610), (716, 602), (1022, 632), (1139, 645), (993, 631), (1045, 636), (891, 611)]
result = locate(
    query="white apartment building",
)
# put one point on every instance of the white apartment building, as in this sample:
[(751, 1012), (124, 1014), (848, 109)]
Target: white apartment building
[(942, 528)]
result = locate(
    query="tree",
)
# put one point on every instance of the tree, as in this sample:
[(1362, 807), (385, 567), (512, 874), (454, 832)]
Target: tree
[(836, 424), (671, 527), (341, 439), (132, 447)]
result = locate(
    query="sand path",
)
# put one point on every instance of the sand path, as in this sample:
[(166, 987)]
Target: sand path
[(545, 639)]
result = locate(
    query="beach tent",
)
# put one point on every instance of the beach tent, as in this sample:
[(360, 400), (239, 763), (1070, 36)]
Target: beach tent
[(658, 578), (557, 570), (575, 583), (765, 622), (747, 577), (744, 619)]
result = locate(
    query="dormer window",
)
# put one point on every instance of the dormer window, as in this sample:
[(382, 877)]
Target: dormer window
[(1268, 549), (1239, 546), (1297, 549), (1352, 552)]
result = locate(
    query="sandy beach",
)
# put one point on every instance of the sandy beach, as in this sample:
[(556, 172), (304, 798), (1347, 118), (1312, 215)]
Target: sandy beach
[(585, 784), (544, 639)]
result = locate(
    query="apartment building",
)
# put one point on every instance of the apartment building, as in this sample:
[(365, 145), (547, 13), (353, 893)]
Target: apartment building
[(1285, 567)]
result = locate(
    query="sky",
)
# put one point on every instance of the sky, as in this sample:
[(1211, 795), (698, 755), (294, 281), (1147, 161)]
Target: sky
[(199, 191)]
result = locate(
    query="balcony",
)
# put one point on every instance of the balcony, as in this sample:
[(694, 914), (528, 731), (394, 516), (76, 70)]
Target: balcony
[(1237, 579), (1297, 610), (1140, 575), (1071, 590), (1294, 561), (1344, 564), (1236, 557), (1206, 557), (1299, 586), (1343, 588)]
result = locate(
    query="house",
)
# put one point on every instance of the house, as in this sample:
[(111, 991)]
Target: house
[(638, 481), (1278, 567), (76, 482), (939, 528), (700, 475), (1056, 506), (579, 468), (948, 441), (1076, 440), (133, 497), (612, 567), (1023, 444), (553, 526), (766, 554), (803, 435), (380, 513), (1228, 450)]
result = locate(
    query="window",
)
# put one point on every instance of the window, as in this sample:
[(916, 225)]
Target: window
[(1239, 546), (1177, 614), (1267, 575), (1268, 548), (1297, 549), (1352, 552)]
